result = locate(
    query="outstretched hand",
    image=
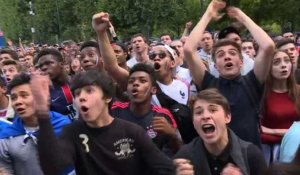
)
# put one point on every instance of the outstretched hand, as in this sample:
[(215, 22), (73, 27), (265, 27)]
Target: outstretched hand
[(214, 7), (100, 22), (39, 85)]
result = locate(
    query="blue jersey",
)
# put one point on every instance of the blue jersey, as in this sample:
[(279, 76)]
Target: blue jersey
[(62, 100)]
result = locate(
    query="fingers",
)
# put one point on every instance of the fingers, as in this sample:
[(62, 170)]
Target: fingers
[(231, 169), (183, 167)]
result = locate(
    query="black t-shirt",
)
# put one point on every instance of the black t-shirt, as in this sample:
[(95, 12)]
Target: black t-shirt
[(121, 110), (245, 119), (119, 148)]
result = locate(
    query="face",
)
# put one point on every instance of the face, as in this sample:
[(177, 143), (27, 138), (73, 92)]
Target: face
[(22, 61), (163, 62), (75, 65), (179, 46), (248, 48), (4, 57), (281, 66), (234, 37), (207, 42), (138, 45), (210, 121), (28, 60), (120, 54), (228, 61), (89, 58), (50, 66), (289, 35), (91, 103), (67, 68), (166, 39), (292, 51), (22, 101), (9, 72), (140, 87)]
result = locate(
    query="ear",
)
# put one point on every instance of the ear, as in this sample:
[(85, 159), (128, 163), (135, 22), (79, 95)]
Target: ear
[(108, 100), (227, 118), (153, 90), (241, 62), (173, 63)]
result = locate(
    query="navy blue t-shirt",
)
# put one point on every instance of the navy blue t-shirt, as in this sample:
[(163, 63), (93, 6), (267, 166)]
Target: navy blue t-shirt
[(62, 100), (245, 119)]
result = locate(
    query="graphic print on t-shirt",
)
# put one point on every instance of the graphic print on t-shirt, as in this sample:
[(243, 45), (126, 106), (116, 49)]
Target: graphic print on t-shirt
[(125, 148)]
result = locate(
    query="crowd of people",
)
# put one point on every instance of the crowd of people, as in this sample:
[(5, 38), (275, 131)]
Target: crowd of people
[(207, 103)]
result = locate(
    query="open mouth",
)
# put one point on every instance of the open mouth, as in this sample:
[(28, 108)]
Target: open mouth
[(84, 109), (208, 128), (157, 66), (228, 65), (20, 110), (134, 92), (8, 79)]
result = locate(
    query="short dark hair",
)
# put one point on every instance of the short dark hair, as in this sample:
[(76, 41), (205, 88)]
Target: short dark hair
[(93, 77), (55, 53), (90, 44), (139, 35), (10, 52), (18, 80), (283, 42), (123, 46), (225, 42), (224, 32), (166, 34), (12, 62), (211, 95), (2, 81), (144, 68)]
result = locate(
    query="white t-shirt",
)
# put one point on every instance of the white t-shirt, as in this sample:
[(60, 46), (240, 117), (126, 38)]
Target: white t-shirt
[(177, 90), (9, 112), (131, 62)]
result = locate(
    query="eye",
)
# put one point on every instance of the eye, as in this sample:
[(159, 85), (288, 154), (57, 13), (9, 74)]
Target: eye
[(198, 112), (232, 52), (220, 54), (276, 62), (13, 97), (213, 110), (77, 92)]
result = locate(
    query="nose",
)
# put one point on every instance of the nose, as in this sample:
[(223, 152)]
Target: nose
[(17, 102), (206, 115)]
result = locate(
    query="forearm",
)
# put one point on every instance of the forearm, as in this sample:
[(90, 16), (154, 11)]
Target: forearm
[(175, 142), (186, 32), (277, 132), (53, 159), (106, 50), (260, 36)]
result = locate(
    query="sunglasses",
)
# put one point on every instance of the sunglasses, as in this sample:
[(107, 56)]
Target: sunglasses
[(161, 55)]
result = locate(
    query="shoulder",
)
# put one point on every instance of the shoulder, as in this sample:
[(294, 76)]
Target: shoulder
[(187, 150), (120, 105), (165, 113)]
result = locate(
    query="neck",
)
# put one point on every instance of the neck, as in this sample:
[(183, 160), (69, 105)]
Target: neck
[(165, 79), (140, 109), (4, 101), (279, 86), (103, 120), (31, 121), (61, 80), (141, 57), (217, 148), (208, 51)]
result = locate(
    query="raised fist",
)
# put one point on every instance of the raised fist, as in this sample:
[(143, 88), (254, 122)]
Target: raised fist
[(100, 22)]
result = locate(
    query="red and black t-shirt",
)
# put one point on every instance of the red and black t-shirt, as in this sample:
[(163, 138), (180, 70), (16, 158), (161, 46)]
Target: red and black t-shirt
[(121, 110)]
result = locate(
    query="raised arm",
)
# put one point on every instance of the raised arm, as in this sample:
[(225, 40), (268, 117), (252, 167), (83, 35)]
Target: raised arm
[(196, 65), (187, 29), (265, 43), (55, 155), (101, 25)]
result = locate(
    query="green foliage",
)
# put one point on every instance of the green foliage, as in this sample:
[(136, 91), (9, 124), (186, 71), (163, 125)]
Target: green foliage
[(58, 20)]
